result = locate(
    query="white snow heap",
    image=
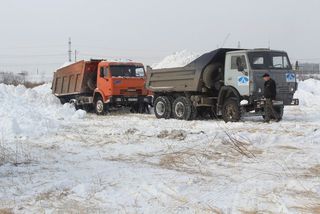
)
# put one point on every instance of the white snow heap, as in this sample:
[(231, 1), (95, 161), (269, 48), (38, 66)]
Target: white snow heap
[(178, 59), (308, 93), (32, 112)]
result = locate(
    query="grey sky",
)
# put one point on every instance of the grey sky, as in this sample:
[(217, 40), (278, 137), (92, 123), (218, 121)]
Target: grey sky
[(34, 33)]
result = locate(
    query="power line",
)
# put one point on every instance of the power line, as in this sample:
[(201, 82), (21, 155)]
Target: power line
[(29, 55)]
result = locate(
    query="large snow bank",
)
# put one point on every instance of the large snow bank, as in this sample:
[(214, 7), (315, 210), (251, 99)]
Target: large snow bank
[(309, 93), (31, 112), (178, 59)]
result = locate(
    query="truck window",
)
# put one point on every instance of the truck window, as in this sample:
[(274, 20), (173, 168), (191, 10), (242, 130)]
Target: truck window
[(104, 71), (126, 71), (237, 61), (280, 62), (269, 60), (139, 72)]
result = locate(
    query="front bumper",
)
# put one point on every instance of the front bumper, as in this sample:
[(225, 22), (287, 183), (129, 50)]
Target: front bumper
[(294, 102), (124, 100), (262, 102)]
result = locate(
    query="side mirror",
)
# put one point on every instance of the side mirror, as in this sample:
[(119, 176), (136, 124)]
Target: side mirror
[(240, 68)]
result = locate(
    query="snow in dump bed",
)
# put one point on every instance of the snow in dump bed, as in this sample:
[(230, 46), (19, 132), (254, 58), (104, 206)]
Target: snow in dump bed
[(32, 112), (178, 59)]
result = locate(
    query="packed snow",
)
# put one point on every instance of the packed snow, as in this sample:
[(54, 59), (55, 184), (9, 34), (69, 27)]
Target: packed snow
[(178, 59), (54, 159), (32, 112)]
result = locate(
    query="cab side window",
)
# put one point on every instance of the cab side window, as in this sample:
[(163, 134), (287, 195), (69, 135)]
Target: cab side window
[(104, 72), (238, 61)]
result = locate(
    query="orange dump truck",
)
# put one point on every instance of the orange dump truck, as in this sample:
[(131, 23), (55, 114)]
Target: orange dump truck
[(102, 84)]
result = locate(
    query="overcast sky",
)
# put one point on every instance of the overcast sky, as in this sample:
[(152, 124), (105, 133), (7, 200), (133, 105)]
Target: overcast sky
[(34, 33)]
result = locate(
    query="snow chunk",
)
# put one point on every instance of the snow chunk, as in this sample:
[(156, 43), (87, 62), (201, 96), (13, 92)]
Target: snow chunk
[(178, 59), (309, 93)]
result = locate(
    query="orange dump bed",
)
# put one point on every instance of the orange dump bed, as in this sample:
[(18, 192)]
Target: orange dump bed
[(77, 78)]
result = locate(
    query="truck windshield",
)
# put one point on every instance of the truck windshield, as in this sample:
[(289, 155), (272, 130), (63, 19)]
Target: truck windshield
[(269, 60), (126, 71)]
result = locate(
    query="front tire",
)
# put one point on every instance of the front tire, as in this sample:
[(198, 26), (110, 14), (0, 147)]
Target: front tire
[(231, 111), (279, 111), (182, 108), (162, 107), (100, 107)]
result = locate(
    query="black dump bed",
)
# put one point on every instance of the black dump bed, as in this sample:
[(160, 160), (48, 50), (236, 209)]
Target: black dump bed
[(187, 78)]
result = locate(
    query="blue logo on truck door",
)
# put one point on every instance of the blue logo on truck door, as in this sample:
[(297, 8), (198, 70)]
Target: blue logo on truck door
[(243, 80), (290, 77), (117, 82)]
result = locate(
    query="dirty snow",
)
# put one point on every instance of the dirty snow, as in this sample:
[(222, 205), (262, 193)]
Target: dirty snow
[(131, 163), (178, 59)]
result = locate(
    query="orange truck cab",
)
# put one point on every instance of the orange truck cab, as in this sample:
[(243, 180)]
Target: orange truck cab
[(121, 84), (103, 85)]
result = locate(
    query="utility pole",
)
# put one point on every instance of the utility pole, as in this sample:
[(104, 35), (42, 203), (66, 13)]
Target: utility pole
[(225, 40), (239, 44), (70, 51), (75, 55)]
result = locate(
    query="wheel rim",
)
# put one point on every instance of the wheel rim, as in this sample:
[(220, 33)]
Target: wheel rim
[(230, 111), (160, 108), (179, 109), (99, 106)]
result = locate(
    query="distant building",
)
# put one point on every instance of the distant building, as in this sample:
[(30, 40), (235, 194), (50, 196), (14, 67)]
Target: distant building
[(309, 68)]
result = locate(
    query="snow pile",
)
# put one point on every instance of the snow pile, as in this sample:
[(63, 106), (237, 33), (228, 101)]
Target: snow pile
[(309, 93), (31, 112), (178, 59)]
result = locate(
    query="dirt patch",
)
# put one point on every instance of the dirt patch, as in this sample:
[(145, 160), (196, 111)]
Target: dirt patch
[(311, 172), (173, 135), (288, 147), (315, 170), (312, 209), (45, 196), (131, 131), (6, 211), (255, 211)]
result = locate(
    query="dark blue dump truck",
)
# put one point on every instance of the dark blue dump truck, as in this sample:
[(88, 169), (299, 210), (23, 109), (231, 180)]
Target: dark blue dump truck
[(223, 83)]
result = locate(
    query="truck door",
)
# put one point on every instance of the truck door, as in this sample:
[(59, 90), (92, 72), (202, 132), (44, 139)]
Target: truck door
[(104, 83), (237, 72)]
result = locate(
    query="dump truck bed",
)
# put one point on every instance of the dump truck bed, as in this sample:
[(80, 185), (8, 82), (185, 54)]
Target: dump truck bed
[(184, 79), (77, 78)]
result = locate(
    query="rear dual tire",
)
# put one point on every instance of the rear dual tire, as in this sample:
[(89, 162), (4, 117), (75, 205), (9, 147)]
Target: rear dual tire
[(181, 108), (162, 107)]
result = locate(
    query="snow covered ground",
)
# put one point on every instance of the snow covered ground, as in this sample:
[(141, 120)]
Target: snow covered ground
[(54, 159)]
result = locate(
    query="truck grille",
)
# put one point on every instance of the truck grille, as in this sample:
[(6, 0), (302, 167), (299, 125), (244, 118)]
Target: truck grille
[(131, 92), (284, 89)]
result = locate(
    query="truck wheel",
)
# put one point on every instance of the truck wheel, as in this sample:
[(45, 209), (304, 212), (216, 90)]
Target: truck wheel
[(231, 111), (162, 107), (182, 108), (279, 110), (100, 107)]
